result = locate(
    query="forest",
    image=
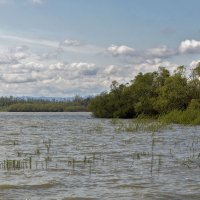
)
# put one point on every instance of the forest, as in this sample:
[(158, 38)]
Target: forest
[(172, 97), (17, 104)]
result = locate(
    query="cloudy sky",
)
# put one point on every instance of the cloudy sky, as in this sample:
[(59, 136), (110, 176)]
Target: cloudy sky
[(61, 48)]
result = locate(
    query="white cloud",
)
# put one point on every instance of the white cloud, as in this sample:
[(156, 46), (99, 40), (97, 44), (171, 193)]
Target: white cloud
[(151, 65), (72, 46), (35, 67), (190, 46), (120, 50), (87, 69), (40, 42), (16, 78), (19, 52), (112, 70), (20, 55), (57, 66), (22, 72), (82, 65), (68, 43), (161, 52), (194, 63)]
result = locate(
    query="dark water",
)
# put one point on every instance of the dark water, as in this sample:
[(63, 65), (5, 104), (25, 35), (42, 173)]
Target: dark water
[(74, 156)]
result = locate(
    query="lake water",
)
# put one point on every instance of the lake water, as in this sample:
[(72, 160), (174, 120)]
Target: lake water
[(74, 156)]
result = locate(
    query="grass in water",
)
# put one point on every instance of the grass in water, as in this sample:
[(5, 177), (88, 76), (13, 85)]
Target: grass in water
[(139, 124), (186, 117)]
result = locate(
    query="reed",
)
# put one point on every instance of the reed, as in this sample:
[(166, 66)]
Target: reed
[(137, 125), (16, 164), (186, 117)]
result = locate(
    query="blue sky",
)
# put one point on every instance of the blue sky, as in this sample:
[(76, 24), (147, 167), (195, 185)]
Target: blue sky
[(68, 47)]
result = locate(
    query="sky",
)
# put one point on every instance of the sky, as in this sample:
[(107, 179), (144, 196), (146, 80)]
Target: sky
[(63, 48)]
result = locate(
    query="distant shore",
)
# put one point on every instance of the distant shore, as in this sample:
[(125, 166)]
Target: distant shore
[(12, 104)]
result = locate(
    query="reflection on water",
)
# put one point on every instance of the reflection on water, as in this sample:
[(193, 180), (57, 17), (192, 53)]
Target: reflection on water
[(68, 156)]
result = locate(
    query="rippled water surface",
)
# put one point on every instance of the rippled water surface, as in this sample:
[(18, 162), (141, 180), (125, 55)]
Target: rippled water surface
[(74, 156)]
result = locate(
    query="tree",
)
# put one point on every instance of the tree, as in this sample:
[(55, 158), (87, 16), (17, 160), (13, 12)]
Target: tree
[(144, 90), (194, 83), (173, 94)]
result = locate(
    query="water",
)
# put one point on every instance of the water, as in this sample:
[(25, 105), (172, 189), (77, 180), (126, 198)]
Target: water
[(75, 156)]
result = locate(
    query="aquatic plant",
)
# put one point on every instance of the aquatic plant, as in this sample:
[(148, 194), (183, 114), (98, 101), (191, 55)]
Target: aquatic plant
[(37, 152), (187, 117), (16, 164), (136, 125)]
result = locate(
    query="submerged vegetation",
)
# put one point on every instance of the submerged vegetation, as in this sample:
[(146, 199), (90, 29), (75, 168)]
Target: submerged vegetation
[(172, 98), (182, 117), (139, 124), (12, 104)]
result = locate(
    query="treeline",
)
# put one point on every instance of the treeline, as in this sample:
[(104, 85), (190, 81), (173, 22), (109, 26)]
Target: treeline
[(14, 104), (150, 94)]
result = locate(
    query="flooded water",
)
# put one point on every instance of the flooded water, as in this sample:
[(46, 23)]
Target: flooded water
[(63, 156)]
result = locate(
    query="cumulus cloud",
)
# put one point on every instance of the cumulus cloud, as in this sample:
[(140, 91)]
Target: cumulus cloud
[(131, 54), (35, 67), (57, 66), (35, 77), (194, 63), (13, 56), (161, 52), (190, 46), (122, 50), (151, 65), (112, 70), (7, 60), (69, 43), (16, 78), (19, 52), (88, 69)]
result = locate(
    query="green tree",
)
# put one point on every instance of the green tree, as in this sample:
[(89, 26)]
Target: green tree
[(144, 90), (194, 83), (173, 94)]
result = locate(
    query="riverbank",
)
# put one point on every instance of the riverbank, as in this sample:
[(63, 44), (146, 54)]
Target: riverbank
[(14, 104), (170, 97)]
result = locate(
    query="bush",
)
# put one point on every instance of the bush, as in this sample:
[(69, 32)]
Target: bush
[(194, 104), (186, 117)]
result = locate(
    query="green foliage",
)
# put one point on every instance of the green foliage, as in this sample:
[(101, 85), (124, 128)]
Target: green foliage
[(152, 94), (194, 104), (172, 95), (186, 117), (116, 104)]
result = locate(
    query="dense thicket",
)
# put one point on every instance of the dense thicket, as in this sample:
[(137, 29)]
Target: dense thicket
[(152, 94), (13, 104)]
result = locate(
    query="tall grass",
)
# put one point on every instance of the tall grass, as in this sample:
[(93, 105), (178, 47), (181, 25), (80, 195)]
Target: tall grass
[(187, 117), (138, 124)]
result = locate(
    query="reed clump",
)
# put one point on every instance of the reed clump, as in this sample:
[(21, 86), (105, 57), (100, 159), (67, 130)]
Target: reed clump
[(137, 125), (16, 164), (186, 117)]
